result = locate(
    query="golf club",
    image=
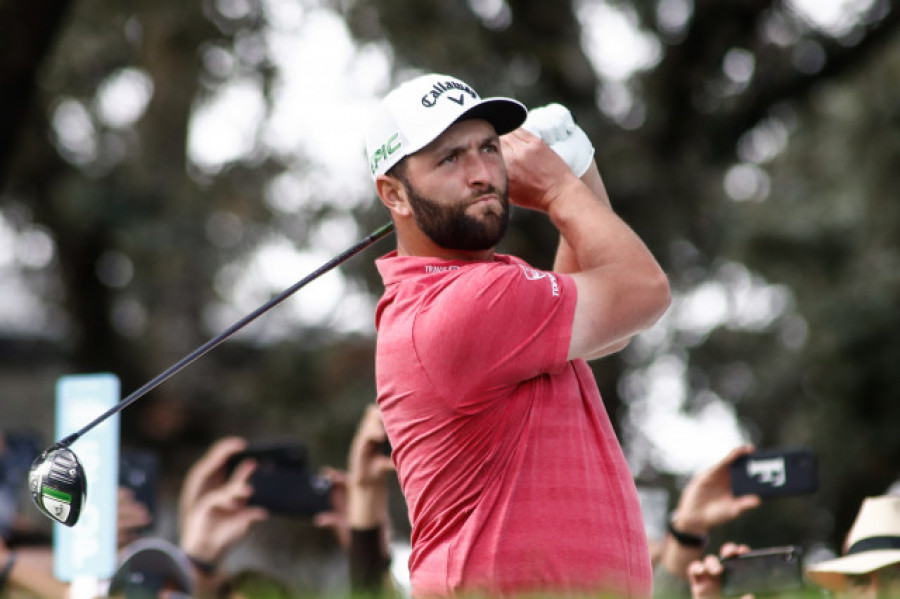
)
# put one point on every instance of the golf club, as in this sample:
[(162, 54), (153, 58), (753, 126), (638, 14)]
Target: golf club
[(57, 481)]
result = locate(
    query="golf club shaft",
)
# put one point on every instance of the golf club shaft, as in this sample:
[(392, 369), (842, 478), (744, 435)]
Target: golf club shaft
[(237, 326)]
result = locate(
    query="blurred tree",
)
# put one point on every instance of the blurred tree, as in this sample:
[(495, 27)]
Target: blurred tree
[(828, 228), (117, 199), (27, 34), (142, 234), (740, 100)]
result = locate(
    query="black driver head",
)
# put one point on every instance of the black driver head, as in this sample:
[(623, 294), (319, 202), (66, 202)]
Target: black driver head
[(58, 485)]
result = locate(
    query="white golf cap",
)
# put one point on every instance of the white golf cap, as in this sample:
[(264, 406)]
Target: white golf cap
[(418, 111)]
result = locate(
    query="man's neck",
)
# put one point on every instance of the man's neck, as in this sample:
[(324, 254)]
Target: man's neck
[(426, 248)]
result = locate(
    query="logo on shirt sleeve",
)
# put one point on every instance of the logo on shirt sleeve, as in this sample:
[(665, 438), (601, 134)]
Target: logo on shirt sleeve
[(532, 274)]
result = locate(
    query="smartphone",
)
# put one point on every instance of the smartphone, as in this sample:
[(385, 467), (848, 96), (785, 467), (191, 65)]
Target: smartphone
[(139, 471), (291, 492), (775, 472), (771, 570), (282, 482), (290, 455)]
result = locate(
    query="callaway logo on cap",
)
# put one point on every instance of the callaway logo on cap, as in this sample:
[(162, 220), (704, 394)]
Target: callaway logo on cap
[(418, 111)]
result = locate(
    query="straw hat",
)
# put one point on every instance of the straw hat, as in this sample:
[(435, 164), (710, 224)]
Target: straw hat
[(873, 543)]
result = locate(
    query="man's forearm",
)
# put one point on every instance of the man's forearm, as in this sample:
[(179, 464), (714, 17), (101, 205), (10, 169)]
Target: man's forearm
[(596, 237), (565, 261), (367, 505), (621, 288)]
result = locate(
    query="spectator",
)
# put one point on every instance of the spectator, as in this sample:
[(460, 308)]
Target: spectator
[(869, 569), (870, 566), (132, 517), (705, 575), (213, 511), (706, 502), (29, 570), (214, 516), (26, 557), (367, 505), (360, 519)]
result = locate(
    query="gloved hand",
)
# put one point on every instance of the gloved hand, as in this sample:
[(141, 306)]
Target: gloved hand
[(554, 124)]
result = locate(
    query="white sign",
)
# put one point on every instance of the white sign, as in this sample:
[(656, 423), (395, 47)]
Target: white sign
[(87, 550)]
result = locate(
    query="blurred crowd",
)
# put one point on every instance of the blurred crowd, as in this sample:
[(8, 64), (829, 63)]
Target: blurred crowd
[(219, 503), (869, 566), (230, 489)]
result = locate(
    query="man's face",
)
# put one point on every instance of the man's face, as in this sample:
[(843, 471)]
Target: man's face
[(458, 189), (883, 583)]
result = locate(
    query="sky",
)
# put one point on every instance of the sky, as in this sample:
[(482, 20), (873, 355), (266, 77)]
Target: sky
[(325, 126)]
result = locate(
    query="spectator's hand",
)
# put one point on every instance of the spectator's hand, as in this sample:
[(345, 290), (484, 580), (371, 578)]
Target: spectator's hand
[(221, 517), (336, 518), (4, 551), (207, 473), (132, 515), (705, 575), (707, 500), (366, 464), (364, 484), (367, 473)]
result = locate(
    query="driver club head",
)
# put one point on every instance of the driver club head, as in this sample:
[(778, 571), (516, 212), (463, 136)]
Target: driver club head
[(58, 484)]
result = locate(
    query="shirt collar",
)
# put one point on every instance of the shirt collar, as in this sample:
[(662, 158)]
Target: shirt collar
[(394, 268)]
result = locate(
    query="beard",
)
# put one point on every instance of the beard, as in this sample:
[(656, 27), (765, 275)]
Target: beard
[(452, 228)]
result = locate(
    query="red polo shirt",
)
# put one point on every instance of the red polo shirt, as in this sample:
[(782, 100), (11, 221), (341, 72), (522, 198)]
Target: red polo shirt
[(514, 479)]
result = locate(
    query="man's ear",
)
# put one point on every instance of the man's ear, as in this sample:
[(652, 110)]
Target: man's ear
[(393, 195)]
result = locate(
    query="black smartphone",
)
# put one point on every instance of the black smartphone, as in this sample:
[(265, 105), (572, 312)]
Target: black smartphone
[(139, 471), (291, 492), (290, 455), (775, 472), (282, 482), (762, 571)]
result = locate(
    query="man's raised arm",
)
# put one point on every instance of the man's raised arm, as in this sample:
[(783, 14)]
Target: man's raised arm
[(621, 288)]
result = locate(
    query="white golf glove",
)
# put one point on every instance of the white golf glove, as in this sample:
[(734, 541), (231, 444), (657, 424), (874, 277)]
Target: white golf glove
[(554, 124)]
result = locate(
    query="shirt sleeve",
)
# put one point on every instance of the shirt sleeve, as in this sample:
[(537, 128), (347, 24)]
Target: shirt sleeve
[(495, 325)]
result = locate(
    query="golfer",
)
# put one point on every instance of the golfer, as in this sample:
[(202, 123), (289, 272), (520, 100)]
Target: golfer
[(513, 477)]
